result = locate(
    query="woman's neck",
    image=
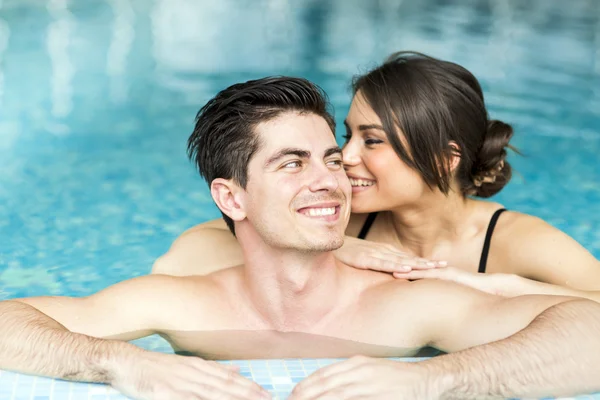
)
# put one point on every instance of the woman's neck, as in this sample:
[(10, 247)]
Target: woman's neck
[(434, 223)]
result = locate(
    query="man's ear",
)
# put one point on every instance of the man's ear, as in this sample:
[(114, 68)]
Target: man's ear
[(228, 196)]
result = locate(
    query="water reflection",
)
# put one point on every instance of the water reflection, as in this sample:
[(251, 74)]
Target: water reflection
[(119, 49), (231, 345), (4, 36), (58, 36)]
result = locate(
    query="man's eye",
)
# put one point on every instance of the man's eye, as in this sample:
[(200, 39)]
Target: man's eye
[(292, 164), (337, 163)]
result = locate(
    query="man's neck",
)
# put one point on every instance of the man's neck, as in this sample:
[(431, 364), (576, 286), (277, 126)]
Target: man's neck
[(290, 290)]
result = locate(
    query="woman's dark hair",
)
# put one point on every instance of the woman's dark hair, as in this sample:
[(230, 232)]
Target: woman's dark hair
[(224, 141), (440, 110)]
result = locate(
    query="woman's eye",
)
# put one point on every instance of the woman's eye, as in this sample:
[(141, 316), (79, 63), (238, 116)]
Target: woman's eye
[(370, 142)]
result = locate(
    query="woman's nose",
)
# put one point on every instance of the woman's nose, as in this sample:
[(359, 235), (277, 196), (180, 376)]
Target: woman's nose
[(351, 155)]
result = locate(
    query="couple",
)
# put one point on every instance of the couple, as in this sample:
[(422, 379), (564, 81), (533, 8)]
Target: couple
[(267, 149)]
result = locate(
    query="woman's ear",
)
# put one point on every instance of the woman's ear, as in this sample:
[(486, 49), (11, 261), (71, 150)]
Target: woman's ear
[(227, 196), (454, 158)]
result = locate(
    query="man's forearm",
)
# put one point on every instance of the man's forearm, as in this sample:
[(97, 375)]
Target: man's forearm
[(556, 355), (33, 343)]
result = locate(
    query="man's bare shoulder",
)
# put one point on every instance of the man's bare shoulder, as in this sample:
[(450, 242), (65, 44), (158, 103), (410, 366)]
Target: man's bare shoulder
[(200, 287), (167, 289), (188, 302), (409, 313), (422, 295)]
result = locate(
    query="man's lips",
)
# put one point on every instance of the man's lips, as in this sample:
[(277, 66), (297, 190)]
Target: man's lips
[(329, 211)]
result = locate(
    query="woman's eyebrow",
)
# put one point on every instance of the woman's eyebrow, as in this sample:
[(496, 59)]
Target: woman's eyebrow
[(365, 127)]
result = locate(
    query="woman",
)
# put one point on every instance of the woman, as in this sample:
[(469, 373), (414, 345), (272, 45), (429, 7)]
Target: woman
[(419, 148)]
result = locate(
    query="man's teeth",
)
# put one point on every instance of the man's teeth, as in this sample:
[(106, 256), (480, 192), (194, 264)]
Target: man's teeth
[(315, 212), (361, 182)]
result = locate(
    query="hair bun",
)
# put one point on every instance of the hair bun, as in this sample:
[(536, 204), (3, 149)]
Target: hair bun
[(491, 172)]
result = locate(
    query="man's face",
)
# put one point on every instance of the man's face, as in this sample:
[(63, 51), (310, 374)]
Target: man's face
[(298, 195)]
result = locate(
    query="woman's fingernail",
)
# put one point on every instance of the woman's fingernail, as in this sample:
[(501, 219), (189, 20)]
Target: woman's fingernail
[(431, 264), (442, 263), (405, 268)]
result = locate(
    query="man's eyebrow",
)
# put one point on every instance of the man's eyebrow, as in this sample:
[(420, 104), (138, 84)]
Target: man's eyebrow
[(365, 127), (332, 150), (288, 151)]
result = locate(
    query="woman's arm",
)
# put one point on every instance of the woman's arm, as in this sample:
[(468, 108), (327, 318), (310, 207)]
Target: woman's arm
[(210, 247), (529, 256), (200, 250)]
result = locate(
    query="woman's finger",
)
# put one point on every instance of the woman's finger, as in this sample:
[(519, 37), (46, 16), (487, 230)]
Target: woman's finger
[(411, 261), (383, 264), (419, 274), (428, 264), (393, 263)]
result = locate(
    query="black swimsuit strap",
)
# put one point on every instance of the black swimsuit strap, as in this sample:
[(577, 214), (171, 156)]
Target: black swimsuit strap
[(488, 239), (365, 229)]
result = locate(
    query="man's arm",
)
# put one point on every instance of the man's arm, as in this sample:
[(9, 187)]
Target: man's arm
[(555, 355), (527, 346), (533, 346), (33, 343), (61, 336), (73, 338)]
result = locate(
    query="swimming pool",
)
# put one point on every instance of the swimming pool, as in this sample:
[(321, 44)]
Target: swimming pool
[(97, 99)]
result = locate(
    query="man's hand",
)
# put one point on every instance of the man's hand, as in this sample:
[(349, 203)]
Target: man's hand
[(367, 378), (158, 376), (363, 254)]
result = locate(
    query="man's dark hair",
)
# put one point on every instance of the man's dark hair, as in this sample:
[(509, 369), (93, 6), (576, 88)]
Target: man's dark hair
[(224, 141)]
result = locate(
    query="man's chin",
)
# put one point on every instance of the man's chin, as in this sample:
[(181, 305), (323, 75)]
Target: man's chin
[(330, 244)]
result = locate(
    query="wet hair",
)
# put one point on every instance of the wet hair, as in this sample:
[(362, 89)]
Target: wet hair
[(435, 103), (224, 139)]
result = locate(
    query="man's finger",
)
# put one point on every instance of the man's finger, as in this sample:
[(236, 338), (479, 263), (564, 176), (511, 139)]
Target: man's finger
[(319, 381), (229, 380)]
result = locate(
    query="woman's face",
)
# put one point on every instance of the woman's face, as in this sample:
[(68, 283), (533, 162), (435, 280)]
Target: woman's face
[(380, 179)]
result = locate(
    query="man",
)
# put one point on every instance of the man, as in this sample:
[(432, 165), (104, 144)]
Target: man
[(268, 151)]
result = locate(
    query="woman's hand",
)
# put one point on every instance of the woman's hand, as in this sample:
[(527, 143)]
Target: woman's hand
[(507, 285), (363, 254)]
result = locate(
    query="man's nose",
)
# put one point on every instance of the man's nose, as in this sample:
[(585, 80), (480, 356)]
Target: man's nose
[(323, 178)]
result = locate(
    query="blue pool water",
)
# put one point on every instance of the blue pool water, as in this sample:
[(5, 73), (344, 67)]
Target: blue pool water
[(97, 99)]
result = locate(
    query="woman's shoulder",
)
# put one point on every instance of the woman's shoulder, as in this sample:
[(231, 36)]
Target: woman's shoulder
[(528, 246), (514, 224)]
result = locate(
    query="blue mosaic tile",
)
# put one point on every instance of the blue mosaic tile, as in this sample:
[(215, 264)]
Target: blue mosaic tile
[(276, 381)]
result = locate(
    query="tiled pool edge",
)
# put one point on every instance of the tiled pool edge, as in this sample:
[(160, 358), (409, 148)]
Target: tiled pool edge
[(277, 376)]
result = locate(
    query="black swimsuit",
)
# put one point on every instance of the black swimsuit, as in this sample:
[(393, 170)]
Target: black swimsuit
[(486, 244)]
